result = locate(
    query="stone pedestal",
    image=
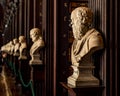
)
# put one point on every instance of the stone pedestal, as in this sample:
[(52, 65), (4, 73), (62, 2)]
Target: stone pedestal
[(16, 54), (22, 57), (35, 60), (82, 76)]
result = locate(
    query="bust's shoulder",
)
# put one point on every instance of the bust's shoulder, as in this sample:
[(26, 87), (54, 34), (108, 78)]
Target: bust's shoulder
[(95, 39), (93, 33), (23, 45), (40, 42)]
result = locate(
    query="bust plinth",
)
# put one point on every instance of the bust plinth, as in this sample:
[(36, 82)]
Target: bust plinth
[(82, 76), (35, 60)]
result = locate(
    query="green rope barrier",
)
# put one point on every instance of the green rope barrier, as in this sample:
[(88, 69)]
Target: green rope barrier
[(26, 85), (9, 63), (14, 69), (12, 66), (33, 94)]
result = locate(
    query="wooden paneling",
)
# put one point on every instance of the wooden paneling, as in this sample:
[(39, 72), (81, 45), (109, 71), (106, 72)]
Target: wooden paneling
[(48, 26), (52, 16), (99, 8), (1, 17), (21, 6)]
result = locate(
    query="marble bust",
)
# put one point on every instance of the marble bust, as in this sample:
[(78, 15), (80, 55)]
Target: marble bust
[(23, 48), (38, 44), (87, 40), (16, 47), (5, 48), (9, 47)]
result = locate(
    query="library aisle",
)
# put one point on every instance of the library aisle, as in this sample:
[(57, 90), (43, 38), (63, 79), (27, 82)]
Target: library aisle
[(7, 84)]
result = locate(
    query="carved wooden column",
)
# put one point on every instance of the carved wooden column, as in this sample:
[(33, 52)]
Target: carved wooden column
[(37, 13), (34, 13), (1, 20), (38, 78), (21, 6), (25, 16), (27, 20), (16, 24), (13, 27), (99, 8)]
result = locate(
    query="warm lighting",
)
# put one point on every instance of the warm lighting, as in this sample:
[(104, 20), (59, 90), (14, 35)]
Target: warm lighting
[(6, 25)]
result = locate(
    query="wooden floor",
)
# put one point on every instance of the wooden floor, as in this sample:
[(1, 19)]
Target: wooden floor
[(2, 87), (8, 86)]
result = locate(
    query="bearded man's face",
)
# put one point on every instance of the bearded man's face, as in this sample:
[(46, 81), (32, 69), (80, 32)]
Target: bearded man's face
[(78, 26)]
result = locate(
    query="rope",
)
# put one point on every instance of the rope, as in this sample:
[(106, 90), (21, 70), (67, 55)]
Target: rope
[(14, 69), (26, 85), (12, 66)]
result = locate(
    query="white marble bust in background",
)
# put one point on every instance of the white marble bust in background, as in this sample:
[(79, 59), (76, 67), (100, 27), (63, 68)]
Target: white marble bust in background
[(23, 48), (38, 44), (9, 47)]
